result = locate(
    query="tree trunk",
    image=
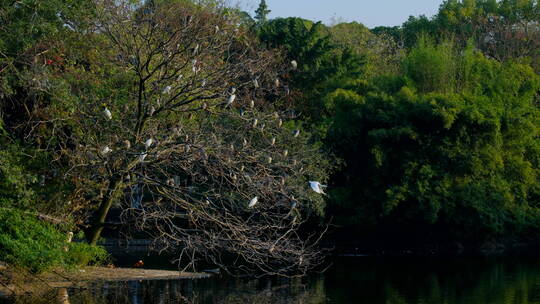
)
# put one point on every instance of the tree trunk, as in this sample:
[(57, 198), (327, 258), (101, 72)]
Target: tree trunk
[(99, 220)]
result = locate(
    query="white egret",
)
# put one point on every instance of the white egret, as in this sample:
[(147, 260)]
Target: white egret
[(296, 133), (188, 148), (277, 82), (255, 83), (280, 123), (148, 143), (167, 90), (203, 83), (151, 111), (196, 49), (231, 146), (127, 143), (105, 150), (107, 113), (216, 29), (253, 202), (242, 168), (230, 100), (251, 103), (233, 90), (294, 64), (317, 187), (180, 76), (273, 141), (142, 156), (285, 153), (255, 121), (269, 159), (245, 143)]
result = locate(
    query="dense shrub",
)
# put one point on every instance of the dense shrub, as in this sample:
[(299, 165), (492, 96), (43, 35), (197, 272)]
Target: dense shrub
[(37, 246)]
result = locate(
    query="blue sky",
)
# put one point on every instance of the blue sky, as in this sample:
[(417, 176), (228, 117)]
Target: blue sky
[(369, 12)]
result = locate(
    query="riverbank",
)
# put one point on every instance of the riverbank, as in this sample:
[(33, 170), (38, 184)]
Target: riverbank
[(14, 282)]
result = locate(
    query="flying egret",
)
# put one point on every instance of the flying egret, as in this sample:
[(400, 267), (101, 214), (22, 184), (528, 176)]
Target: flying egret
[(167, 90), (127, 144), (105, 150), (148, 143), (107, 113), (251, 103), (255, 121), (142, 156), (294, 64), (273, 141), (253, 202), (230, 100), (296, 133), (317, 187)]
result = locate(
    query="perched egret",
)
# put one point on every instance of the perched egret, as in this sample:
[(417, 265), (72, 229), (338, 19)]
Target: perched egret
[(277, 82), (142, 156), (231, 146), (196, 49), (233, 90), (269, 159), (283, 181), (107, 113), (230, 100), (148, 143), (276, 115), (255, 121), (216, 29), (317, 187), (105, 150), (188, 148), (252, 104), (296, 133), (294, 64), (167, 90), (151, 111), (203, 83), (127, 144), (280, 123), (244, 142), (273, 141), (255, 83), (180, 76), (253, 202), (242, 168), (285, 153)]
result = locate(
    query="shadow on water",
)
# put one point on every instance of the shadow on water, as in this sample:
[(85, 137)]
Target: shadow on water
[(349, 280)]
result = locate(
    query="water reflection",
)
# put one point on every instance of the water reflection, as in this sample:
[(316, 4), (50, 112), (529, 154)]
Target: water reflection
[(350, 280)]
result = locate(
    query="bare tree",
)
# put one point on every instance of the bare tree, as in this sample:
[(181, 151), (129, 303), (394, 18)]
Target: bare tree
[(195, 143)]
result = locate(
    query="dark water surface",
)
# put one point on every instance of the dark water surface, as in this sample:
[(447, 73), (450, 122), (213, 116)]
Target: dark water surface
[(350, 280)]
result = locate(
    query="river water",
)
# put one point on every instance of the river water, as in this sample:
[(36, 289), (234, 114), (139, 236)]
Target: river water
[(400, 280)]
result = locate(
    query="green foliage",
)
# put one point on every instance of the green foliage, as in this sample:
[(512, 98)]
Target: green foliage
[(37, 246), (261, 14), (425, 155)]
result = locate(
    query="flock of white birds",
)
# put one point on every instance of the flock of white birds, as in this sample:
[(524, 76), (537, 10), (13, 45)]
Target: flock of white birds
[(317, 187)]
